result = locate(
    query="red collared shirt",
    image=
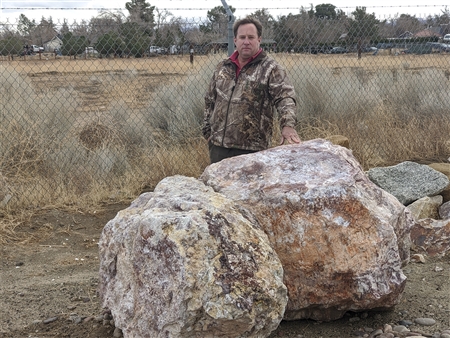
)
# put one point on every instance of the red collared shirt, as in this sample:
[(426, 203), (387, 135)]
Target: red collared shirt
[(234, 59)]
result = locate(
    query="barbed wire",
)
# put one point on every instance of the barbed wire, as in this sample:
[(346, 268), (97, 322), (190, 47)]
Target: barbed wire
[(208, 8)]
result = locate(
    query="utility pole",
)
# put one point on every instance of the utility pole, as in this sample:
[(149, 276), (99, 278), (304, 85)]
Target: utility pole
[(231, 19)]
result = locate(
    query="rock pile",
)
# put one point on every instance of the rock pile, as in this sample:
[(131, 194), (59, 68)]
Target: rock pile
[(425, 190), (214, 257)]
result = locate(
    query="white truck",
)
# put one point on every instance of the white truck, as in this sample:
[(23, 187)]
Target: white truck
[(37, 49)]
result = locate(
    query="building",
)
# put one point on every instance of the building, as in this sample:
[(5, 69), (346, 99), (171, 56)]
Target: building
[(54, 43)]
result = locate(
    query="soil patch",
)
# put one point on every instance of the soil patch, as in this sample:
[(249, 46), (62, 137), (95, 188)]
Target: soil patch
[(49, 286)]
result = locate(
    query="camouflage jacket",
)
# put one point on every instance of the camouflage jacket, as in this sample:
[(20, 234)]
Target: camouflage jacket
[(239, 112)]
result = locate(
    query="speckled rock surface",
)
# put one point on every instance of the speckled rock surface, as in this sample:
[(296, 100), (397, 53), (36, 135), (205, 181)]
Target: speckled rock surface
[(341, 238), (184, 261)]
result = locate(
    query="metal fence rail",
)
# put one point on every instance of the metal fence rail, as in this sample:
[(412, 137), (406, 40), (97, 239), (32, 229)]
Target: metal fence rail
[(107, 108)]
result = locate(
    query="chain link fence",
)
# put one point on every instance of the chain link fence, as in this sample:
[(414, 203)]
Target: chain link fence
[(104, 109)]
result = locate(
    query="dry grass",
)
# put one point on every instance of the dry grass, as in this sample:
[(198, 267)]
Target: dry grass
[(79, 133), (157, 65), (369, 62)]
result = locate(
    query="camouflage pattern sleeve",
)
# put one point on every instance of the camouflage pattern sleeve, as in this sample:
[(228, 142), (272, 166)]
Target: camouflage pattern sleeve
[(283, 96), (210, 99)]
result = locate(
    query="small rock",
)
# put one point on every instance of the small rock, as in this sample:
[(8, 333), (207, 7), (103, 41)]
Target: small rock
[(88, 319), (425, 321), (117, 333), (375, 333), (400, 328), (19, 263), (107, 316), (358, 333), (98, 319), (37, 321), (354, 319), (418, 258), (386, 335), (445, 335), (405, 322), (50, 320), (387, 328)]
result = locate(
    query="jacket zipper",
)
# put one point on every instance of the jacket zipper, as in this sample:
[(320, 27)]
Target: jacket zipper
[(229, 101)]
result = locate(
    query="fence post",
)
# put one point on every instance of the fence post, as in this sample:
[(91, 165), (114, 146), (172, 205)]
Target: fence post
[(231, 19)]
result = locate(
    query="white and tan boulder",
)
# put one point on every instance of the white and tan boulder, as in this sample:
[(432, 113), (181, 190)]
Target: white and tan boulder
[(426, 207), (341, 239), (184, 261)]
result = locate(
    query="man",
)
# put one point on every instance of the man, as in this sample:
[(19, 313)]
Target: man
[(242, 95)]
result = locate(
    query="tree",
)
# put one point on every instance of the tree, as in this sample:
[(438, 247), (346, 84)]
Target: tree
[(104, 23), (11, 45), (73, 45), (25, 25), (64, 28), (267, 21), (217, 21), (140, 11), (442, 20), (362, 27), (408, 23), (290, 30), (135, 41), (325, 11), (43, 32), (306, 32), (110, 43)]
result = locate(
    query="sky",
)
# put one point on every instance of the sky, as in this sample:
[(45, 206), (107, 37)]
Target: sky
[(86, 9)]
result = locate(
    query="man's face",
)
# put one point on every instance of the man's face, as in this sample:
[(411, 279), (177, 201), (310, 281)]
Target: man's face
[(247, 41)]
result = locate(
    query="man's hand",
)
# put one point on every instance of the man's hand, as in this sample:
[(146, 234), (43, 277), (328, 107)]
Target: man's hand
[(290, 135)]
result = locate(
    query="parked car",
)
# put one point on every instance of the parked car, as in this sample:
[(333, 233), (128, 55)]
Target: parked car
[(445, 47), (90, 51), (37, 49), (420, 48), (338, 50), (384, 45), (437, 47), (369, 49), (446, 38), (156, 50)]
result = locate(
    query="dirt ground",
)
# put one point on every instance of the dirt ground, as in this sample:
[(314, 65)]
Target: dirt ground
[(49, 286)]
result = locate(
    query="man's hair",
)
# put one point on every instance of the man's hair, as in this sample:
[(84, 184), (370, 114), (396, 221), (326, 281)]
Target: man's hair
[(245, 21)]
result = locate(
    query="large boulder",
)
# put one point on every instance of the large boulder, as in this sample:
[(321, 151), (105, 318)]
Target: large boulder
[(341, 239), (409, 181), (184, 261)]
